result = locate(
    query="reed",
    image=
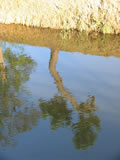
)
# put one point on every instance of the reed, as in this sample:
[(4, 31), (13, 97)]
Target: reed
[(82, 15)]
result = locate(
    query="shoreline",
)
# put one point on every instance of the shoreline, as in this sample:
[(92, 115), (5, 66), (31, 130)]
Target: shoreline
[(101, 16)]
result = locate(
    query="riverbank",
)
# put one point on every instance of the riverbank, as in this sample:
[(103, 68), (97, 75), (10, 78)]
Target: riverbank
[(82, 15)]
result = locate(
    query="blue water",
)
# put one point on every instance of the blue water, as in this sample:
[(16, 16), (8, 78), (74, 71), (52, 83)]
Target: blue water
[(39, 120)]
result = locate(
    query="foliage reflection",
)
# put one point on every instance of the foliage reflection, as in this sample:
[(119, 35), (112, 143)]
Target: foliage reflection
[(87, 126), (17, 113)]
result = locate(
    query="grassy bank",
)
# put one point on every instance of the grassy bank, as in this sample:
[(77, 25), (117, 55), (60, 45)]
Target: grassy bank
[(83, 15)]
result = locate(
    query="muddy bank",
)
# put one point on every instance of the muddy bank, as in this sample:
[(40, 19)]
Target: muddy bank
[(83, 15), (99, 45)]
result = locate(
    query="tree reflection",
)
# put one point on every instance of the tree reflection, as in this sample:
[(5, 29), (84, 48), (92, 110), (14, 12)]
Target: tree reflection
[(87, 126), (57, 110), (17, 112), (85, 130), (58, 79), (87, 106), (15, 74)]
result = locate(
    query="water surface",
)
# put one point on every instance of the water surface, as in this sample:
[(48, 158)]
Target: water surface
[(58, 105)]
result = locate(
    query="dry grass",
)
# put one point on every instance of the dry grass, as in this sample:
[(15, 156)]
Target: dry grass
[(83, 15)]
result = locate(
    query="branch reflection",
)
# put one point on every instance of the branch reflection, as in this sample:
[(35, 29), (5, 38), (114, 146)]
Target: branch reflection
[(87, 125)]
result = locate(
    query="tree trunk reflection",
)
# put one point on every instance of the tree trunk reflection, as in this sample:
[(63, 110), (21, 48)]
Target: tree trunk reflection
[(58, 79)]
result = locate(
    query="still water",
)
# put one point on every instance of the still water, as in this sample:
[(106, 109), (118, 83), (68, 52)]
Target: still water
[(57, 105)]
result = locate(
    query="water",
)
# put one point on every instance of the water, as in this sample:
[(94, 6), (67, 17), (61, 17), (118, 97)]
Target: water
[(58, 105)]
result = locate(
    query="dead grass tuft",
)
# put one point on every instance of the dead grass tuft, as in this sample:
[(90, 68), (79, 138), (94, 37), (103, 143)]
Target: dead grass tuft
[(83, 15)]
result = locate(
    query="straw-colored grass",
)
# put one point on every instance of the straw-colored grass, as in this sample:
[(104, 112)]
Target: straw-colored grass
[(83, 15)]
